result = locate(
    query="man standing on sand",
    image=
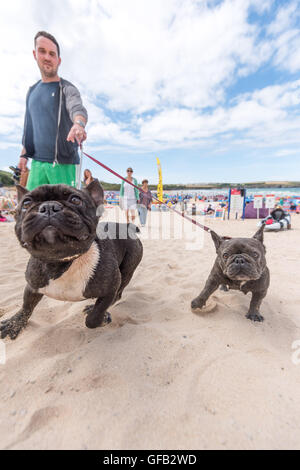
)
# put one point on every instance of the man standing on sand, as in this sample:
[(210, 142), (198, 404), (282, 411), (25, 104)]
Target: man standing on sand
[(55, 121)]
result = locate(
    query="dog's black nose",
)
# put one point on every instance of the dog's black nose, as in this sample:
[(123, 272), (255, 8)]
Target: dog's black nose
[(50, 207), (239, 260)]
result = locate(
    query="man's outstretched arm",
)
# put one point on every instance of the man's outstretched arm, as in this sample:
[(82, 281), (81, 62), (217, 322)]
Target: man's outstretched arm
[(77, 113)]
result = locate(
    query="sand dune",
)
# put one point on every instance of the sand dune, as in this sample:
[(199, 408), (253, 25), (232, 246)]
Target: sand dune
[(158, 376)]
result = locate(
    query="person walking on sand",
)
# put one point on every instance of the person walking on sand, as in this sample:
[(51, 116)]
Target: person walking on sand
[(144, 202), (55, 120), (129, 196)]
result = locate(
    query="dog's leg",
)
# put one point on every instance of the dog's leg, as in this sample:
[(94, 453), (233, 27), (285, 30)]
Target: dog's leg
[(130, 261), (15, 324), (88, 309), (98, 316), (211, 286), (253, 313)]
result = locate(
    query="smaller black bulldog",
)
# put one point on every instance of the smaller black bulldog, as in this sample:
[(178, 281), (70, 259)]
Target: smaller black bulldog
[(69, 260), (241, 265)]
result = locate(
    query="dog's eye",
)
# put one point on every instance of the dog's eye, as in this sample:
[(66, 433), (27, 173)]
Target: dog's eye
[(255, 255), (225, 255), (26, 204), (75, 200)]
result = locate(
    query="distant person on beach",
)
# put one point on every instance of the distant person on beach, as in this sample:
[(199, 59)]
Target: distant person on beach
[(129, 196), (55, 121), (144, 202), (210, 210), (87, 177), (278, 213)]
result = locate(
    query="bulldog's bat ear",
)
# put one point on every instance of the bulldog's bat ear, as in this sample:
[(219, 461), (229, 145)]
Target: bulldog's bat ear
[(217, 239), (21, 191), (260, 234), (95, 190)]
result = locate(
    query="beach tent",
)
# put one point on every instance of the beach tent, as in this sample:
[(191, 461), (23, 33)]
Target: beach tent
[(251, 213)]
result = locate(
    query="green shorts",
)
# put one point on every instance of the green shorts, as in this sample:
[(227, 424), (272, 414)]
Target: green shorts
[(45, 173)]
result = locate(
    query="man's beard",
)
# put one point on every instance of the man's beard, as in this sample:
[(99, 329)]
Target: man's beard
[(50, 72)]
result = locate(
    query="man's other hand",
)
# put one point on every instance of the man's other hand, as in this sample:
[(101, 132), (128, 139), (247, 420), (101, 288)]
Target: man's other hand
[(77, 133)]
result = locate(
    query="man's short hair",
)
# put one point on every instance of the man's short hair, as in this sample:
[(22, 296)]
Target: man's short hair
[(48, 36)]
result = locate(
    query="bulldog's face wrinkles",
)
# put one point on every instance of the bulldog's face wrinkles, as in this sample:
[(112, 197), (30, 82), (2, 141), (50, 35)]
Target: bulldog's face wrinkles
[(56, 222), (242, 259)]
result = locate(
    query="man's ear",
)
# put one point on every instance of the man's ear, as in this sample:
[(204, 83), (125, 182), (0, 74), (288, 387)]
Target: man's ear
[(21, 191), (217, 239), (260, 234), (95, 190)]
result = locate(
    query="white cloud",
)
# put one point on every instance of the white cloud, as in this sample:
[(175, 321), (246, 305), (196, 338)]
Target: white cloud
[(288, 51), (284, 18), (286, 152), (285, 34), (262, 118)]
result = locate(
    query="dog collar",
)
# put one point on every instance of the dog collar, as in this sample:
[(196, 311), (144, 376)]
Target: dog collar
[(70, 258)]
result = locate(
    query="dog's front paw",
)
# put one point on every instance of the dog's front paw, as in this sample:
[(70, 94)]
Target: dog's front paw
[(224, 288), (198, 302), (107, 319), (93, 322), (255, 316), (12, 326)]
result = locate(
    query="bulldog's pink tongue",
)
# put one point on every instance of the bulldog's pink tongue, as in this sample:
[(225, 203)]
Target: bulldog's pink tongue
[(49, 234)]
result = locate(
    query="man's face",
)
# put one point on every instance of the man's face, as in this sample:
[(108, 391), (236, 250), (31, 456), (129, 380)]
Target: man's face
[(46, 56)]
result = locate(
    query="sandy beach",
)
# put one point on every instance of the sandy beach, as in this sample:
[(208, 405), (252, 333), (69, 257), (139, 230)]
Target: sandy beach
[(159, 376)]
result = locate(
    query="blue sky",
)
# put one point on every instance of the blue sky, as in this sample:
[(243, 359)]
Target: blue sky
[(210, 87)]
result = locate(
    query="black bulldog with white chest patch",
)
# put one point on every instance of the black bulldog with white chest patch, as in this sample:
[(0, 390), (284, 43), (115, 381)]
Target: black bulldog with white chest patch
[(241, 265), (57, 225)]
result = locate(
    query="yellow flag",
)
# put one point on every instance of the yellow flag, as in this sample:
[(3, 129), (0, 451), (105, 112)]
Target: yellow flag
[(160, 183)]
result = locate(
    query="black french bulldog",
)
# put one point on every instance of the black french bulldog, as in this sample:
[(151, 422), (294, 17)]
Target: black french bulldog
[(57, 224), (241, 265)]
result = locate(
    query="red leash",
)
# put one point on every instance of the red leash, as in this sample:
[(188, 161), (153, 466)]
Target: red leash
[(204, 227)]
